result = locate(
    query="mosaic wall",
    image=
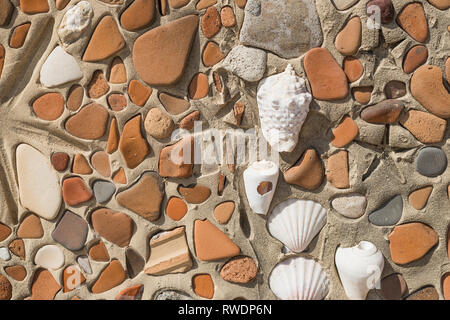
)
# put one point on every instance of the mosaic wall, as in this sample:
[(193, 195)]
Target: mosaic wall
[(102, 100)]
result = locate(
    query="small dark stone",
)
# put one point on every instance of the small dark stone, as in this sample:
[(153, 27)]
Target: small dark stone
[(60, 160), (431, 162), (395, 89), (388, 214), (135, 263), (386, 9), (103, 190), (393, 287), (384, 112), (71, 231)]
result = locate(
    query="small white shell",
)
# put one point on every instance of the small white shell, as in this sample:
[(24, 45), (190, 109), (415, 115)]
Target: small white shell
[(299, 278), (359, 268), (296, 222), (257, 173), (283, 104), (49, 257)]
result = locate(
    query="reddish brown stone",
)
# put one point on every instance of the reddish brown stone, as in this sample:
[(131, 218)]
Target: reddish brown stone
[(105, 41), (239, 270), (176, 4), (172, 162), (98, 86), (112, 276), (116, 227), (362, 94), (384, 112), (75, 97), (49, 106), (60, 161), (131, 293), (81, 165), (5, 231), (138, 15), (227, 17), (89, 123), (118, 72), (120, 177), (427, 293), (418, 199), (446, 286), (424, 126), (411, 241), (217, 82), (34, 6), (6, 9), (415, 57), (195, 194), (203, 285), (19, 35), (211, 22), (199, 86), (224, 211), (100, 162), (132, 145), (188, 121), (240, 3), (17, 247), (344, 133), (393, 287), (212, 54), (337, 170), (72, 278), (61, 4), (221, 184), (139, 93), (75, 191), (158, 124), (238, 111), (308, 173), (44, 285), (328, 81), (30, 227), (176, 208), (174, 105), (113, 137), (348, 39), (117, 101), (16, 272), (353, 68), (412, 20), (203, 4), (98, 252), (5, 288)]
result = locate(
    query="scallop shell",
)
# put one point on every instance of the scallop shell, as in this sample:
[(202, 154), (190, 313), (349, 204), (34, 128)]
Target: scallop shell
[(296, 222), (255, 176), (359, 268), (299, 278), (283, 104)]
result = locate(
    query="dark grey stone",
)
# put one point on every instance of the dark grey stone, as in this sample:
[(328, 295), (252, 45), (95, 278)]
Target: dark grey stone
[(431, 162), (103, 190), (134, 261), (389, 213)]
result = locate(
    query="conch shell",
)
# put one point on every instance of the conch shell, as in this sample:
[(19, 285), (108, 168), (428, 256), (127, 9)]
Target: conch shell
[(283, 104)]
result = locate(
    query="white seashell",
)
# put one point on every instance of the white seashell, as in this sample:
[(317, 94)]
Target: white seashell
[(75, 21), (299, 278), (283, 104), (254, 177), (359, 268), (49, 257), (296, 222)]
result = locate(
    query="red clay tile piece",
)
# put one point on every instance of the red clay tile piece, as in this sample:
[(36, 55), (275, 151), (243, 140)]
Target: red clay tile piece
[(211, 22), (72, 278), (172, 162), (75, 191), (5, 288), (224, 211), (138, 15), (44, 285), (413, 21), (60, 161), (199, 86), (353, 68), (188, 121), (337, 170), (117, 101), (113, 137), (89, 123), (100, 162), (348, 39), (112, 276), (203, 285), (132, 145), (344, 133), (49, 106), (19, 35), (116, 227), (118, 72), (212, 54), (308, 173), (384, 112), (75, 97), (98, 252), (418, 199), (195, 194), (34, 6), (16, 272), (424, 126), (120, 177), (362, 94), (138, 93), (30, 227), (203, 4), (98, 86), (414, 58), (81, 165), (176, 208), (227, 17), (131, 293)]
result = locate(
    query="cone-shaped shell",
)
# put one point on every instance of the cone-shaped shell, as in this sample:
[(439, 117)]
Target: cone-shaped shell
[(260, 180), (359, 269), (299, 278), (283, 104), (296, 222)]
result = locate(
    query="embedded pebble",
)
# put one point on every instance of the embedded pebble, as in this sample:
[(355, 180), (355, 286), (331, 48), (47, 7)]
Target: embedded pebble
[(4, 254), (17, 272), (30, 227), (60, 161), (172, 295), (413, 21), (71, 231), (427, 293), (203, 285), (5, 231), (19, 35), (103, 190), (308, 173), (98, 86), (176, 208), (6, 9), (199, 86), (337, 170), (158, 124), (202, 4), (75, 21), (174, 105), (117, 101), (246, 63), (120, 176), (227, 17), (345, 132), (132, 145), (72, 278), (81, 165), (131, 293), (118, 72), (49, 257), (49, 106), (195, 194), (415, 57), (89, 123), (425, 127), (75, 97), (210, 22), (113, 138), (34, 6), (61, 4), (224, 211), (98, 252), (393, 287), (5, 288), (389, 213), (177, 168), (362, 94), (84, 263), (138, 15), (138, 92), (431, 162), (384, 112), (44, 286), (353, 68), (100, 162), (395, 89), (212, 54), (351, 206), (239, 270), (418, 199), (188, 122), (348, 39), (116, 227), (17, 247), (440, 4), (75, 191), (112, 276), (59, 68)]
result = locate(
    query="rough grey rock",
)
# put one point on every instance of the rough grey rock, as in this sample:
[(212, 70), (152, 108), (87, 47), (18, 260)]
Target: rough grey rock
[(246, 63), (103, 190), (389, 213), (431, 162), (286, 28)]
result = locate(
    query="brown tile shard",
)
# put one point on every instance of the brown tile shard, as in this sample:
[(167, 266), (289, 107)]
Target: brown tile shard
[(75, 191), (81, 165), (308, 173), (239, 270), (113, 137), (117, 101), (419, 198), (89, 123), (5, 231), (98, 252), (211, 243), (411, 241), (34, 6), (5, 288), (427, 293), (75, 97), (116, 227), (353, 68), (176, 161), (100, 162), (211, 22), (212, 54), (203, 4), (415, 57), (424, 126), (393, 287), (195, 194), (199, 86), (112, 276), (17, 247), (384, 112), (173, 104), (344, 133), (176, 208), (413, 21), (188, 122), (160, 55), (19, 35), (138, 92), (44, 285), (132, 145), (328, 81), (72, 278), (105, 41), (138, 15), (30, 227), (362, 94), (49, 106), (120, 177), (144, 197), (6, 9), (60, 161), (169, 253), (203, 285), (217, 82), (221, 184), (337, 170), (224, 211), (131, 293), (118, 72), (16, 272), (98, 86), (348, 39)]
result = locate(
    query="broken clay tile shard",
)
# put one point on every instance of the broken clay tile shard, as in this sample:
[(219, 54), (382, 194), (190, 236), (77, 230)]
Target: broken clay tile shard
[(211, 243), (337, 170), (72, 278), (80, 165), (138, 93), (173, 105), (144, 197), (98, 86), (17, 247), (98, 252), (89, 123), (19, 35), (112, 276), (195, 194), (133, 146), (308, 173), (169, 253), (44, 286), (34, 6), (176, 161), (116, 227), (160, 55), (105, 41), (203, 285), (138, 15), (75, 191), (30, 227), (131, 293), (5, 231), (418, 198), (224, 211), (16, 272), (176, 208)]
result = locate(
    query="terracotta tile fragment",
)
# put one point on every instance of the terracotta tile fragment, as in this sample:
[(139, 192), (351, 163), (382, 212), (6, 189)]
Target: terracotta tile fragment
[(75, 97), (308, 173), (174, 105), (105, 41), (203, 4), (138, 15), (176, 208), (138, 93), (211, 243), (98, 252), (6, 9), (239, 270), (118, 72), (75, 191), (34, 6), (224, 211), (112, 276), (72, 278), (49, 106), (158, 124), (60, 161), (160, 55), (195, 194), (132, 145), (131, 293), (227, 17), (89, 123), (411, 241), (44, 285), (440, 4), (211, 22), (144, 197), (217, 81), (120, 177), (172, 162), (362, 94), (415, 57), (98, 86), (30, 227), (5, 231), (19, 35), (16, 272), (353, 68), (384, 112), (203, 285), (71, 231), (427, 293), (337, 170), (169, 253), (116, 227), (240, 3), (328, 81), (238, 110), (117, 101), (188, 122), (418, 199), (113, 137), (393, 287), (412, 20), (221, 184), (5, 288), (61, 4), (199, 86), (100, 162), (212, 54), (17, 247), (348, 39), (424, 126), (81, 165), (344, 133)]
